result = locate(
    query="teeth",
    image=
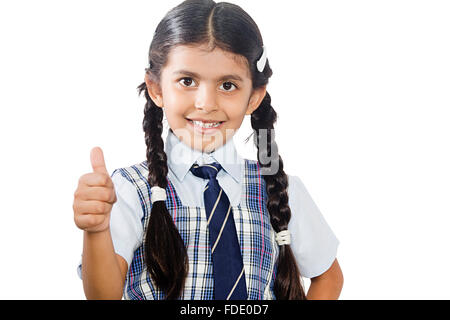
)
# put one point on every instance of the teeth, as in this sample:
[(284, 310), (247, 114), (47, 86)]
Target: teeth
[(206, 125)]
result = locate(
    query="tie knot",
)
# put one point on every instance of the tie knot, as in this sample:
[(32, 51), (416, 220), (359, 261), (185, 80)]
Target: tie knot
[(206, 171)]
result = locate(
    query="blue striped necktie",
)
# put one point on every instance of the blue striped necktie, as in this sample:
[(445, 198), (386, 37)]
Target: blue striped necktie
[(229, 275)]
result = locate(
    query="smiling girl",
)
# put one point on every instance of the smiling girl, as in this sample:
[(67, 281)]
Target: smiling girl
[(149, 229)]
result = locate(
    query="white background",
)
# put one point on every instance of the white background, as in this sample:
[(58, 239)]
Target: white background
[(362, 93)]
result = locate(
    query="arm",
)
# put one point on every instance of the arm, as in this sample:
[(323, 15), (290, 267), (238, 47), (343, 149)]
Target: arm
[(103, 271), (328, 285)]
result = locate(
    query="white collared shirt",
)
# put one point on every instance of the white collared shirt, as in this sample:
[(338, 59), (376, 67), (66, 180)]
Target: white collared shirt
[(313, 242), (181, 157)]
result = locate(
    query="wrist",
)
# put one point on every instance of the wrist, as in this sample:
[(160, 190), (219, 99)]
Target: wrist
[(97, 233)]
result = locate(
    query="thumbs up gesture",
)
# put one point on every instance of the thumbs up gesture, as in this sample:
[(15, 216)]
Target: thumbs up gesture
[(94, 196)]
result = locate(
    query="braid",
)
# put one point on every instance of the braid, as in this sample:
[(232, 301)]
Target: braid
[(165, 253), (288, 282)]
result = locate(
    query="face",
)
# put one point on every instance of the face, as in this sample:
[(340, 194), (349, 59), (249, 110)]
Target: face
[(205, 95)]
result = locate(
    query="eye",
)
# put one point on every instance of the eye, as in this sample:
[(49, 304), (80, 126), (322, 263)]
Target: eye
[(228, 85), (187, 81)]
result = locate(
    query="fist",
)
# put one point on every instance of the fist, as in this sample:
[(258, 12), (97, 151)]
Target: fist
[(94, 196)]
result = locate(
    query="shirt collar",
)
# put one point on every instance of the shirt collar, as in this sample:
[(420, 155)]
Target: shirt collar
[(181, 157)]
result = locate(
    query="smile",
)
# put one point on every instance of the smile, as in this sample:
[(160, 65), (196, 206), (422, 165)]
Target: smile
[(205, 126)]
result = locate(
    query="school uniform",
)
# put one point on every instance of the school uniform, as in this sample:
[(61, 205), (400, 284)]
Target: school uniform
[(313, 242)]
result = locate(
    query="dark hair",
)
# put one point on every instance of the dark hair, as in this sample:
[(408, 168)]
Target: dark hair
[(230, 28)]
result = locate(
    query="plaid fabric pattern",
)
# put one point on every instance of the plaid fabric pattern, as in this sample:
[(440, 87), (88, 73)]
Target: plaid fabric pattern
[(255, 234)]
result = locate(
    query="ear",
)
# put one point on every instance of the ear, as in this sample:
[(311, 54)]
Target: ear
[(154, 90), (256, 99)]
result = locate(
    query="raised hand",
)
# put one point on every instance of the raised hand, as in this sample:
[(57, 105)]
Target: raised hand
[(94, 196)]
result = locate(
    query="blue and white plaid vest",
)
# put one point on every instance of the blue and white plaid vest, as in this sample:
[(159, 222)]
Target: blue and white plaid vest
[(255, 233)]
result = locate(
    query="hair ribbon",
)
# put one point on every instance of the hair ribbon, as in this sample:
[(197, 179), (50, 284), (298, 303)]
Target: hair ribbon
[(283, 237), (158, 194), (261, 63)]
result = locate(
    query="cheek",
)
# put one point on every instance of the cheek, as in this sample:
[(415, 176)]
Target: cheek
[(173, 98), (236, 113), (175, 104)]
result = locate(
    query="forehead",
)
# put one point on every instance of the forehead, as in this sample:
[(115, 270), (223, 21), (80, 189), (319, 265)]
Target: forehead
[(210, 64)]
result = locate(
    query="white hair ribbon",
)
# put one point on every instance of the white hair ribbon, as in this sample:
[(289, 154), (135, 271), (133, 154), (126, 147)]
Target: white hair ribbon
[(283, 237), (158, 194), (261, 63)]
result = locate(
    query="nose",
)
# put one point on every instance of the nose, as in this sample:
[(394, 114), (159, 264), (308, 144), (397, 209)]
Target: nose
[(206, 99)]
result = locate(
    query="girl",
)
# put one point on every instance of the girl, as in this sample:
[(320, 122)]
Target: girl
[(150, 229)]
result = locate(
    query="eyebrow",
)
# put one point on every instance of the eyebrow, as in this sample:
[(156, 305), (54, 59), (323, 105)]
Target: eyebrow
[(195, 75)]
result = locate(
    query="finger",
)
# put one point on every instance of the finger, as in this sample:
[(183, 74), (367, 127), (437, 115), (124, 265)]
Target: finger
[(96, 193), (95, 179), (82, 207), (89, 220), (98, 161)]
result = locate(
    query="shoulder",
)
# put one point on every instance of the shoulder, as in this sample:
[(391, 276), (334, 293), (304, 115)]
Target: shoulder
[(131, 184), (299, 196), (250, 166), (128, 180), (303, 207), (295, 184), (136, 175), (132, 172)]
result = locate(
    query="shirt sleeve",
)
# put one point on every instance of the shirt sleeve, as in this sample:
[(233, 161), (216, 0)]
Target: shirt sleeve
[(125, 221), (312, 241)]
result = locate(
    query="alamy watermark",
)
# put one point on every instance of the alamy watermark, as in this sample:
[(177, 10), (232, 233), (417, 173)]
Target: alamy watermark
[(263, 139)]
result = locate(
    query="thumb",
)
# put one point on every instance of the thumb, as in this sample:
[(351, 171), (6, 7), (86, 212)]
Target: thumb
[(98, 161)]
